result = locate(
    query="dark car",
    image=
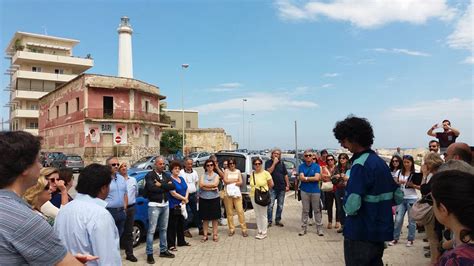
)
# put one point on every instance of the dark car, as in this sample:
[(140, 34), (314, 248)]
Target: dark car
[(292, 165), (175, 157), (48, 158), (73, 162)]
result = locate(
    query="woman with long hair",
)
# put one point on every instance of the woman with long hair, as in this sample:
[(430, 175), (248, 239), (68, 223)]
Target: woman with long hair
[(404, 178), (209, 200), (453, 206), (339, 179), (51, 175), (233, 197), (395, 165), (38, 195), (329, 196)]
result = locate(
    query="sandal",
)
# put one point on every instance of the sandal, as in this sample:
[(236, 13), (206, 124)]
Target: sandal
[(186, 244), (215, 238), (204, 239), (231, 233), (173, 249)]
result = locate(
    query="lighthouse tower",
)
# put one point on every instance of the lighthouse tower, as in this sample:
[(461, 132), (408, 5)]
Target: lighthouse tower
[(125, 62)]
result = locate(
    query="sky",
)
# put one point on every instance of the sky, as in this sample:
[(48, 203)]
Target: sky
[(402, 64)]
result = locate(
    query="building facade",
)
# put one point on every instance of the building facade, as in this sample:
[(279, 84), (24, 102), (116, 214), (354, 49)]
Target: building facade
[(98, 116), (176, 118), (39, 65), (205, 139)]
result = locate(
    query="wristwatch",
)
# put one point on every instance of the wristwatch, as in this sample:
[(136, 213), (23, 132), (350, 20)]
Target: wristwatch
[(306, 178)]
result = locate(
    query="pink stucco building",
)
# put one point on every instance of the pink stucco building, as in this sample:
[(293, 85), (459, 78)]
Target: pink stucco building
[(97, 116)]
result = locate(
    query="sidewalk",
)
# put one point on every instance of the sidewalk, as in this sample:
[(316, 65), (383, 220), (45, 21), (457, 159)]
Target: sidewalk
[(282, 247)]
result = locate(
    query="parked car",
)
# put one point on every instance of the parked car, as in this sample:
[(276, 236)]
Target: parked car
[(243, 162), (292, 165), (175, 157), (199, 157), (49, 158), (73, 162), (140, 225), (148, 162)]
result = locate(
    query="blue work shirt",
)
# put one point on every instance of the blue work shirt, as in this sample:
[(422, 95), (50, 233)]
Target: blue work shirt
[(85, 226), (309, 171), (370, 194), (118, 189), (180, 188)]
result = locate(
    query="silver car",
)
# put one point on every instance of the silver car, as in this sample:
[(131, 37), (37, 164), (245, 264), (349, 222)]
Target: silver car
[(199, 157), (148, 162)]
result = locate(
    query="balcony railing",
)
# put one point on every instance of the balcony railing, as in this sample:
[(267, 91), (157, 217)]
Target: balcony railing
[(99, 113)]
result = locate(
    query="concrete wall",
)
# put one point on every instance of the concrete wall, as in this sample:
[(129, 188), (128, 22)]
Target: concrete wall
[(206, 139), (177, 117)]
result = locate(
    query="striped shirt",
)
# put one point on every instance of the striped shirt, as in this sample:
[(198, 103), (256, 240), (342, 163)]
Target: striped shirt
[(25, 237)]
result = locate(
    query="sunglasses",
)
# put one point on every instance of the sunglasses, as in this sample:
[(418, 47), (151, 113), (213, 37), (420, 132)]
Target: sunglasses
[(308, 155), (207, 165), (407, 157), (395, 161), (344, 158), (53, 179), (115, 164), (257, 163), (330, 160), (231, 163)]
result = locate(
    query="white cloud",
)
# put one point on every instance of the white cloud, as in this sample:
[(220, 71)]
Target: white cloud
[(438, 109), (400, 51), (328, 85), (331, 75), (258, 102), (227, 87), (462, 37), (366, 13)]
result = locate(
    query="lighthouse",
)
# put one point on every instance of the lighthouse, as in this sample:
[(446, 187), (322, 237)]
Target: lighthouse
[(125, 62)]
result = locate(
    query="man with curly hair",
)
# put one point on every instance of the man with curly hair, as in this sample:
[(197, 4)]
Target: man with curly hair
[(370, 194)]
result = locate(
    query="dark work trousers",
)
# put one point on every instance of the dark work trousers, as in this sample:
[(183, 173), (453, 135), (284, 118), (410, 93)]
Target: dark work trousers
[(119, 217), (193, 215), (329, 197), (310, 214), (127, 237), (358, 253), (339, 203), (175, 229)]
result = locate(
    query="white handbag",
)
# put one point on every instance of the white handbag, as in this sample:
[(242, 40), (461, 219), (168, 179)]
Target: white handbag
[(233, 191), (184, 212)]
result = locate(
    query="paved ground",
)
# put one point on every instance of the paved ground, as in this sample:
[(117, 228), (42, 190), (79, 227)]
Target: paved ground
[(282, 247)]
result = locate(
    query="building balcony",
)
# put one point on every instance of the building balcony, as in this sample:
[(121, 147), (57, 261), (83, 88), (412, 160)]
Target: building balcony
[(26, 94), (121, 114), (20, 113), (81, 64), (43, 76), (33, 131)]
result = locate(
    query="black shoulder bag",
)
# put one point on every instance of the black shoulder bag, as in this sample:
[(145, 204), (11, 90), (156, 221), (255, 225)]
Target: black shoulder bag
[(262, 197)]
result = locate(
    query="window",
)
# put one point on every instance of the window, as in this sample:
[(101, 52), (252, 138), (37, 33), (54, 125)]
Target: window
[(34, 106), (57, 111), (108, 103), (67, 107), (147, 141), (173, 123), (33, 125), (188, 124), (48, 115), (77, 104), (147, 105), (59, 71), (36, 69)]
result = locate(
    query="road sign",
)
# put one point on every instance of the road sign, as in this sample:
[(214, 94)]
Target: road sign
[(118, 139)]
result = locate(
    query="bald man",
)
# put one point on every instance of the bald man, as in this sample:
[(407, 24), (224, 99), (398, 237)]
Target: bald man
[(459, 151)]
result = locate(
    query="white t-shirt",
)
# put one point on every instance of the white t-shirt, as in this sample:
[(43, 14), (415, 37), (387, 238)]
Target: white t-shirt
[(191, 180), (409, 193)]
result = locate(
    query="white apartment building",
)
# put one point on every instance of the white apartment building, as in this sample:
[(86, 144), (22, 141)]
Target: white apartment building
[(39, 64)]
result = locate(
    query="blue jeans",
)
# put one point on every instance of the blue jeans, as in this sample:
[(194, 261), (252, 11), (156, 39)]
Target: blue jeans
[(401, 210), (193, 215), (119, 216), (157, 216), (279, 196), (358, 253)]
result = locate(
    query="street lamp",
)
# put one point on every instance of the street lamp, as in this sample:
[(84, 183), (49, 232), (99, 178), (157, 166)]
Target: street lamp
[(250, 130), (243, 121), (183, 67)]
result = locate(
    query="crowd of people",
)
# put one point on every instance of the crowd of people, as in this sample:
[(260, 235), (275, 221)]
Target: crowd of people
[(366, 200)]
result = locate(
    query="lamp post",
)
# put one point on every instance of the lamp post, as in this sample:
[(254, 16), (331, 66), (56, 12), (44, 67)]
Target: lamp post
[(183, 67), (243, 121), (250, 130)]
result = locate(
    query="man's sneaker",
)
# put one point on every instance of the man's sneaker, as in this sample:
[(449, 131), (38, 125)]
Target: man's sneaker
[(340, 230), (222, 221), (166, 254), (320, 232), (393, 242), (302, 232), (426, 248), (259, 236), (279, 224), (269, 224), (409, 244), (188, 234), (150, 259), (131, 258), (262, 236)]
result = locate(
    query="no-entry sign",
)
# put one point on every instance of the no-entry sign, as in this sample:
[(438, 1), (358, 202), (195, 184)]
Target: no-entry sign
[(118, 139)]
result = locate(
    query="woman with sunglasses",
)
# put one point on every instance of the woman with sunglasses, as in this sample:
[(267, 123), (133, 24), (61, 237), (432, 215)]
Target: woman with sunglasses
[(37, 196), (329, 196), (395, 165), (51, 175), (233, 197), (209, 200), (410, 197), (339, 179), (261, 180), (453, 206), (64, 184)]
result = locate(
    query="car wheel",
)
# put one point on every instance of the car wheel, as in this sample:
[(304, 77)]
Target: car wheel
[(137, 233), (197, 163), (167, 167)]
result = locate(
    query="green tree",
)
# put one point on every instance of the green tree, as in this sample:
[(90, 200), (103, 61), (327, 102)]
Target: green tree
[(171, 142)]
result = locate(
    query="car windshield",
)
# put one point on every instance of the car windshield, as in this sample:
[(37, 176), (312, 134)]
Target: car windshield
[(74, 158), (193, 155), (239, 160), (142, 160)]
